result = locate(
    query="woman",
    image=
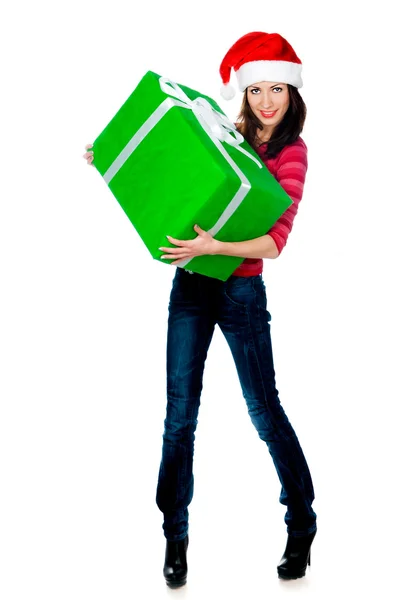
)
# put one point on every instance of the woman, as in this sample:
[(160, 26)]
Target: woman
[(271, 120)]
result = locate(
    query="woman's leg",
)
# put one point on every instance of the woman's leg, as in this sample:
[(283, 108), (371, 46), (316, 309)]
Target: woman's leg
[(244, 321), (190, 330)]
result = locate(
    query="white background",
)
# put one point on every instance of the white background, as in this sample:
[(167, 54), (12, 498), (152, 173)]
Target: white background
[(84, 313)]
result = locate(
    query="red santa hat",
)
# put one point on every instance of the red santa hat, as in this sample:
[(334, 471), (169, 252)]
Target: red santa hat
[(259, 56)]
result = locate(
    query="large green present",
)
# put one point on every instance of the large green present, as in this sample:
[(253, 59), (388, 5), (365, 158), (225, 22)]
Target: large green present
[(172, 159)]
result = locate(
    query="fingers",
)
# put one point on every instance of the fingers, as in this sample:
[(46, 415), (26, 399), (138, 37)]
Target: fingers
[(173, 240), (177, 257), (173, 250), (89, 156), (175, 253)]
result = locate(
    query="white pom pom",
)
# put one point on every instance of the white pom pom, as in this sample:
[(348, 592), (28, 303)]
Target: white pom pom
[(227, 91)]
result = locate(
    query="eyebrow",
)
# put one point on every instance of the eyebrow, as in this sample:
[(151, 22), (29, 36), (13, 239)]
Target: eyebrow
[(272, 86)]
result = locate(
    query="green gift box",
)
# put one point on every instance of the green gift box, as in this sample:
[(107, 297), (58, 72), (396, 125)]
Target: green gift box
[(171, 158)]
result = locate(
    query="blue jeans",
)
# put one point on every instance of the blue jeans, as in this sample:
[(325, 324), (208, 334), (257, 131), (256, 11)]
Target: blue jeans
[(238, 305)]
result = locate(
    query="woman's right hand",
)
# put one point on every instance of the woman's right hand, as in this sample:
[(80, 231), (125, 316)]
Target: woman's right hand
[(89, 155)]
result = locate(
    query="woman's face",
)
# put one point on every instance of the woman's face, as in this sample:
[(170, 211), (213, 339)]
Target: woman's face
[(269, 101)]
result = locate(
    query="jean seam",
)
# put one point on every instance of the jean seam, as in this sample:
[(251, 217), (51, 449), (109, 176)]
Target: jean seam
[(266, 403)]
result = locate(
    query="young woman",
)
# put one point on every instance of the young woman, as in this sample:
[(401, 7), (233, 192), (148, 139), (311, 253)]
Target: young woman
[(271, 120)]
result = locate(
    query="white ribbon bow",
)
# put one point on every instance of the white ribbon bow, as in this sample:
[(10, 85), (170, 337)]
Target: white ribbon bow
[(214, 123), (218, 128)]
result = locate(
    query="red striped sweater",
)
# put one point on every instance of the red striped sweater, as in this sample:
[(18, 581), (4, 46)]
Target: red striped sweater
[(289, 168)]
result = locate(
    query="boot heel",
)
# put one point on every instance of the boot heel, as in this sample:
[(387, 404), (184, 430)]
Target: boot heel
[(175, 568), (296, 557)]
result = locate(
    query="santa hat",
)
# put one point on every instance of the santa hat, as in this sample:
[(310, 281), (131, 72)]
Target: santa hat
[(259, 56)]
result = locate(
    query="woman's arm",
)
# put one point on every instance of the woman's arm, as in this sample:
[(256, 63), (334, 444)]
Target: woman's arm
[(261, 247), (204, 243), (291, 175)]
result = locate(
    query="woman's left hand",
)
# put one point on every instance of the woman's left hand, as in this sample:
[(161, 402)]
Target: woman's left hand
[(204, 243)]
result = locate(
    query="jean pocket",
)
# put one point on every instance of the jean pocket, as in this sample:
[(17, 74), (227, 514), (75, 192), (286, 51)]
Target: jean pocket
[(260, 293), (179, 285), (240, 291)]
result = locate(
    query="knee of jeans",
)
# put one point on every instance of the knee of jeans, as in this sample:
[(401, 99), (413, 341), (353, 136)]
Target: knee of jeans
[(262, 421), (257, 411), (262, 425), (178, 431)]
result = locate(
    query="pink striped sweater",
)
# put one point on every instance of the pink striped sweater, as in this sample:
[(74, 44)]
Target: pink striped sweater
[(289, 167)]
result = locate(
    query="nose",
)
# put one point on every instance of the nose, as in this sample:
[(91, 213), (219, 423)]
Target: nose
[(265, 100)]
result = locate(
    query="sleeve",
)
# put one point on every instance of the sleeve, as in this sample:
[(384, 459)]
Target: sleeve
[(291, 175)]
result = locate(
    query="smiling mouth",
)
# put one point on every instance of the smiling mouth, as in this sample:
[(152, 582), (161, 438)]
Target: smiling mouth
[(268, 114)]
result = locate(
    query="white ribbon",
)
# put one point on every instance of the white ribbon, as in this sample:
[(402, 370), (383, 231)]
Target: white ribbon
[(216, 125)]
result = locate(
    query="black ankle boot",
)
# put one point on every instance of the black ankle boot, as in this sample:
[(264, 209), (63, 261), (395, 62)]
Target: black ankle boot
[(294, 561), (175, 567)]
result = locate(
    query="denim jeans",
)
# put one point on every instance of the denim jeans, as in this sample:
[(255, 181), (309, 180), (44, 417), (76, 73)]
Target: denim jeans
[(239, 307)]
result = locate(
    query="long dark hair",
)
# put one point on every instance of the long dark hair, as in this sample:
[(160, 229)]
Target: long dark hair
[(286, 132)]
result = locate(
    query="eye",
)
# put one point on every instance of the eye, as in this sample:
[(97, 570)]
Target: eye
[(255, 90), (277, 88)]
